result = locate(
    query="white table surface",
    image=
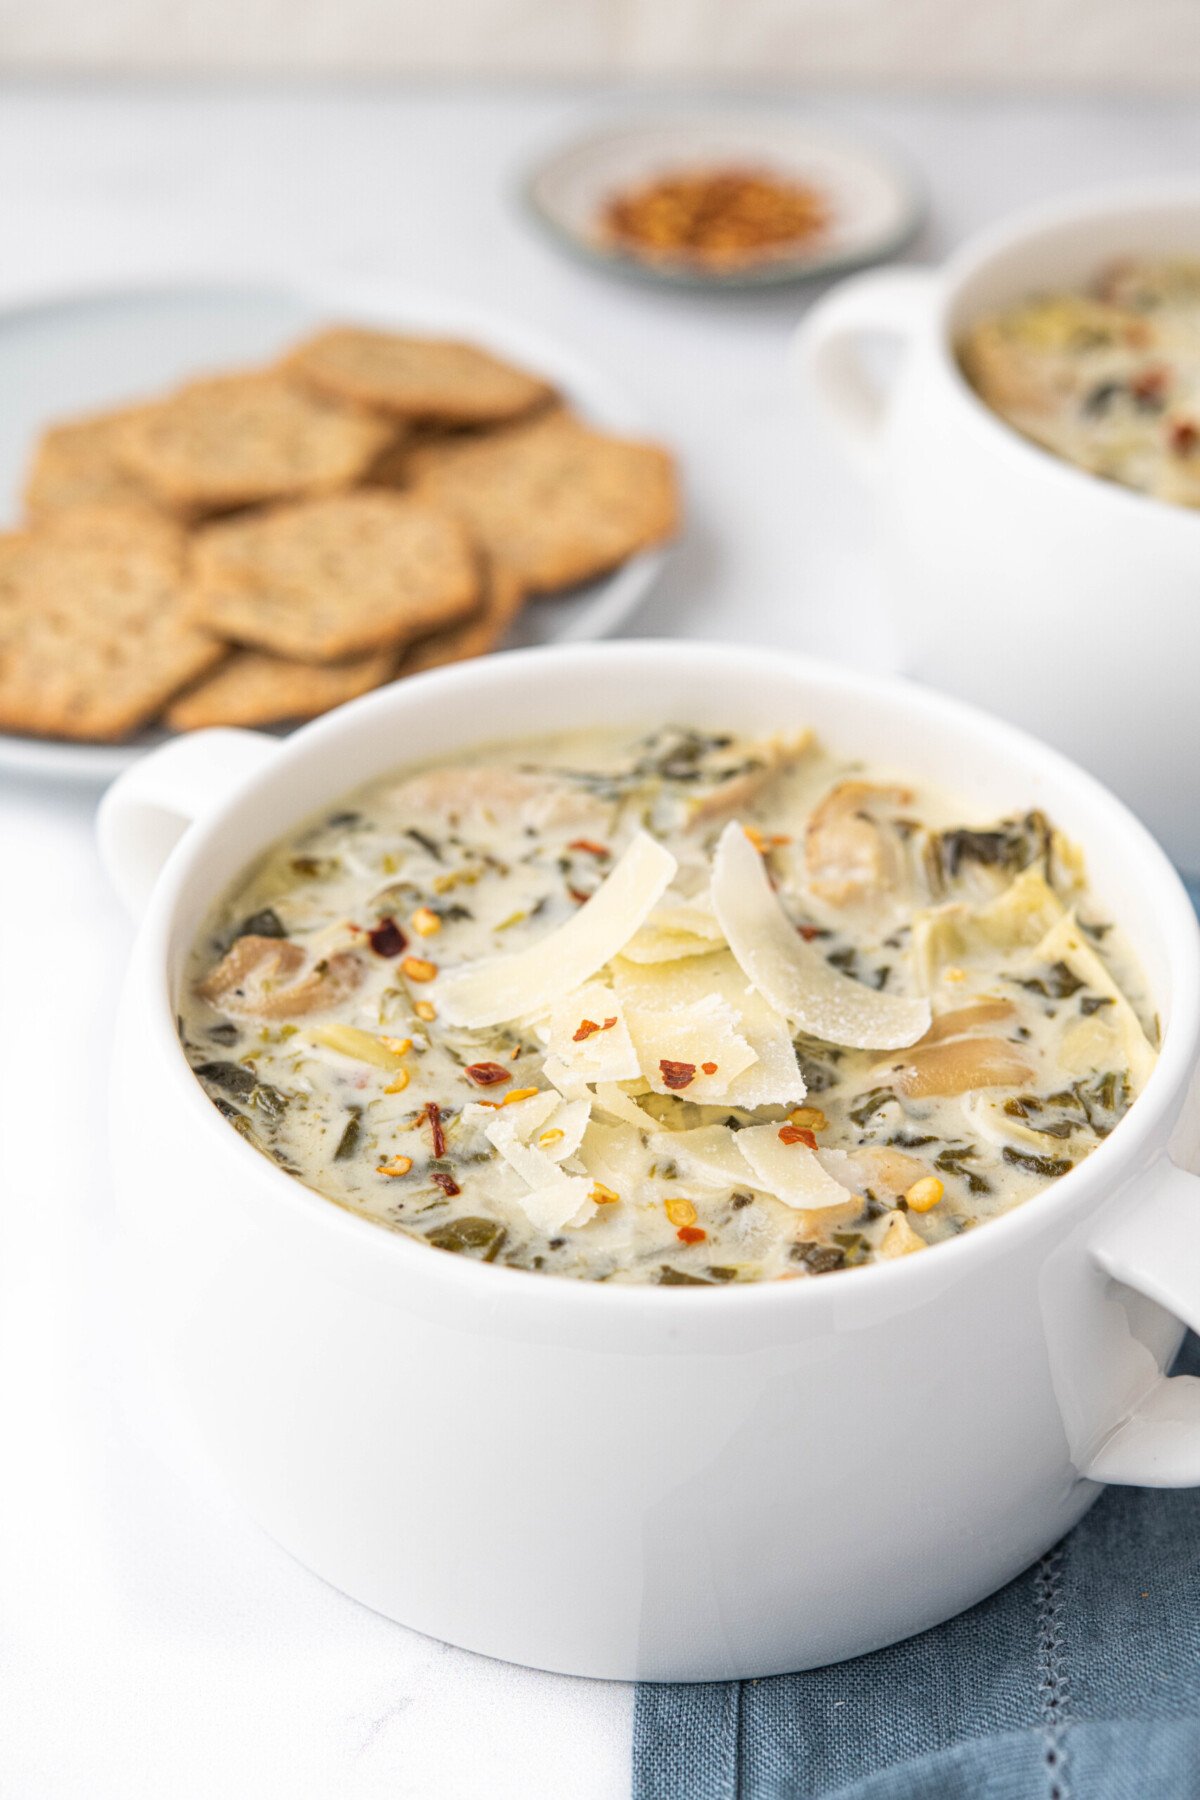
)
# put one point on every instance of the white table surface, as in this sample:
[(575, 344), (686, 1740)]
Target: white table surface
[(152, 1642)]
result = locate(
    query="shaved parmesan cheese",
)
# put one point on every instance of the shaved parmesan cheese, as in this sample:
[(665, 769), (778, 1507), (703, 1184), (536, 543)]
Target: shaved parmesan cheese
[(789, 1171), (675, 928), (589, 1038), (554, 1200), (695, 1050), (651, 945), (616, 1156), (790, 974), (615, 1101), (523, 1116), (775, 1078), (560, 1205), (562, 1133), (695, 917), (530, 1164), (571, 1087), (709, 1153), (546, 1120), (533, 980)]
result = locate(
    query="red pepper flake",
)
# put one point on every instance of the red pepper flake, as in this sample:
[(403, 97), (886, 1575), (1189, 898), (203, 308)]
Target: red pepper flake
[(588, 1028), (691, 1234), (446, 1182), (1184, 437), (387, 939), (577, 895), (592, 848), (797, 1134), (486, 1074), (809, 932), (709, 1068), (1149, 385), (432, 1114), (676, 1075)]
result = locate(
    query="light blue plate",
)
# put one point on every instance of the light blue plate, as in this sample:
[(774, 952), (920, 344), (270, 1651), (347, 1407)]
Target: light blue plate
[(70, 354)]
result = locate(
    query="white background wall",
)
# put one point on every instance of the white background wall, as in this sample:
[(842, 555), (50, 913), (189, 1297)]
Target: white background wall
[(1129, 45)]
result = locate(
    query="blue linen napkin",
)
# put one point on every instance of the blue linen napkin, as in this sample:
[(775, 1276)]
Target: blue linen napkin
[(1078, 1681)]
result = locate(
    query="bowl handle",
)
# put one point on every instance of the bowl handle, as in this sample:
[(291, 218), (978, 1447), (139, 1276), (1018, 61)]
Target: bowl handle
[(826, 352), (147, 809), (1155, 1249)]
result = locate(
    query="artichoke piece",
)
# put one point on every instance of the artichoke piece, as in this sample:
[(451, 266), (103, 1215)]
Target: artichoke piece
[(899, 1239)]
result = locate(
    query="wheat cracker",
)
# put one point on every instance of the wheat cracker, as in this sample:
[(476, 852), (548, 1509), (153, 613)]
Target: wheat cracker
[(75, 463), (93, 637), (230, 441), (552, 500), (415, 377), (503, 599), (325, 579)]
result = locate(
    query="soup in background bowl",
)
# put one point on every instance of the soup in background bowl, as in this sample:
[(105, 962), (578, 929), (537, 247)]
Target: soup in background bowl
[(1106, 376)]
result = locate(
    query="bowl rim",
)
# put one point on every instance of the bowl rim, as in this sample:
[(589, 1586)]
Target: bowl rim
[(972, 258), (531, 1290)]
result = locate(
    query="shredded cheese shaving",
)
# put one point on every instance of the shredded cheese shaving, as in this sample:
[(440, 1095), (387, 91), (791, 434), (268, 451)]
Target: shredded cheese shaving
[(793, 977), (531, 981)]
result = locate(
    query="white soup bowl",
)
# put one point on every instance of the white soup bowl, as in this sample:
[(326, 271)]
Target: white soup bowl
[(641, 1481), (1064, 602)]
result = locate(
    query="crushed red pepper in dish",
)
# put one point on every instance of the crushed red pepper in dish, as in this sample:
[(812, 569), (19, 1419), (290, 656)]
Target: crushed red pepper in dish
[(718, 219)]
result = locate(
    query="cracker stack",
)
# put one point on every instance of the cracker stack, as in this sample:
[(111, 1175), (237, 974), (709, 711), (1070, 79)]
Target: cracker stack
[(260, 546)]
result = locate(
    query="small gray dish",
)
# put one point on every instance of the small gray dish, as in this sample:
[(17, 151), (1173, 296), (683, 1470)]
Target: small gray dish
[(875, 202)]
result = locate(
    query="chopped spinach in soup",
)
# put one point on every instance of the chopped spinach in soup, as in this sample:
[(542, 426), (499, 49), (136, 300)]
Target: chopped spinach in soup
[(691, 1010)]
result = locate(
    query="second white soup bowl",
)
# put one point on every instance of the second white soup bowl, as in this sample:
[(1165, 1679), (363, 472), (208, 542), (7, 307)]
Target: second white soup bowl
[(1065, 602), (649, 1482)]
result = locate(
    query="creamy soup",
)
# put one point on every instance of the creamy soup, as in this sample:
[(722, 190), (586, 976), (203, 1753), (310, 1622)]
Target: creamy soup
[(691, 1009), (1106, 377)]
